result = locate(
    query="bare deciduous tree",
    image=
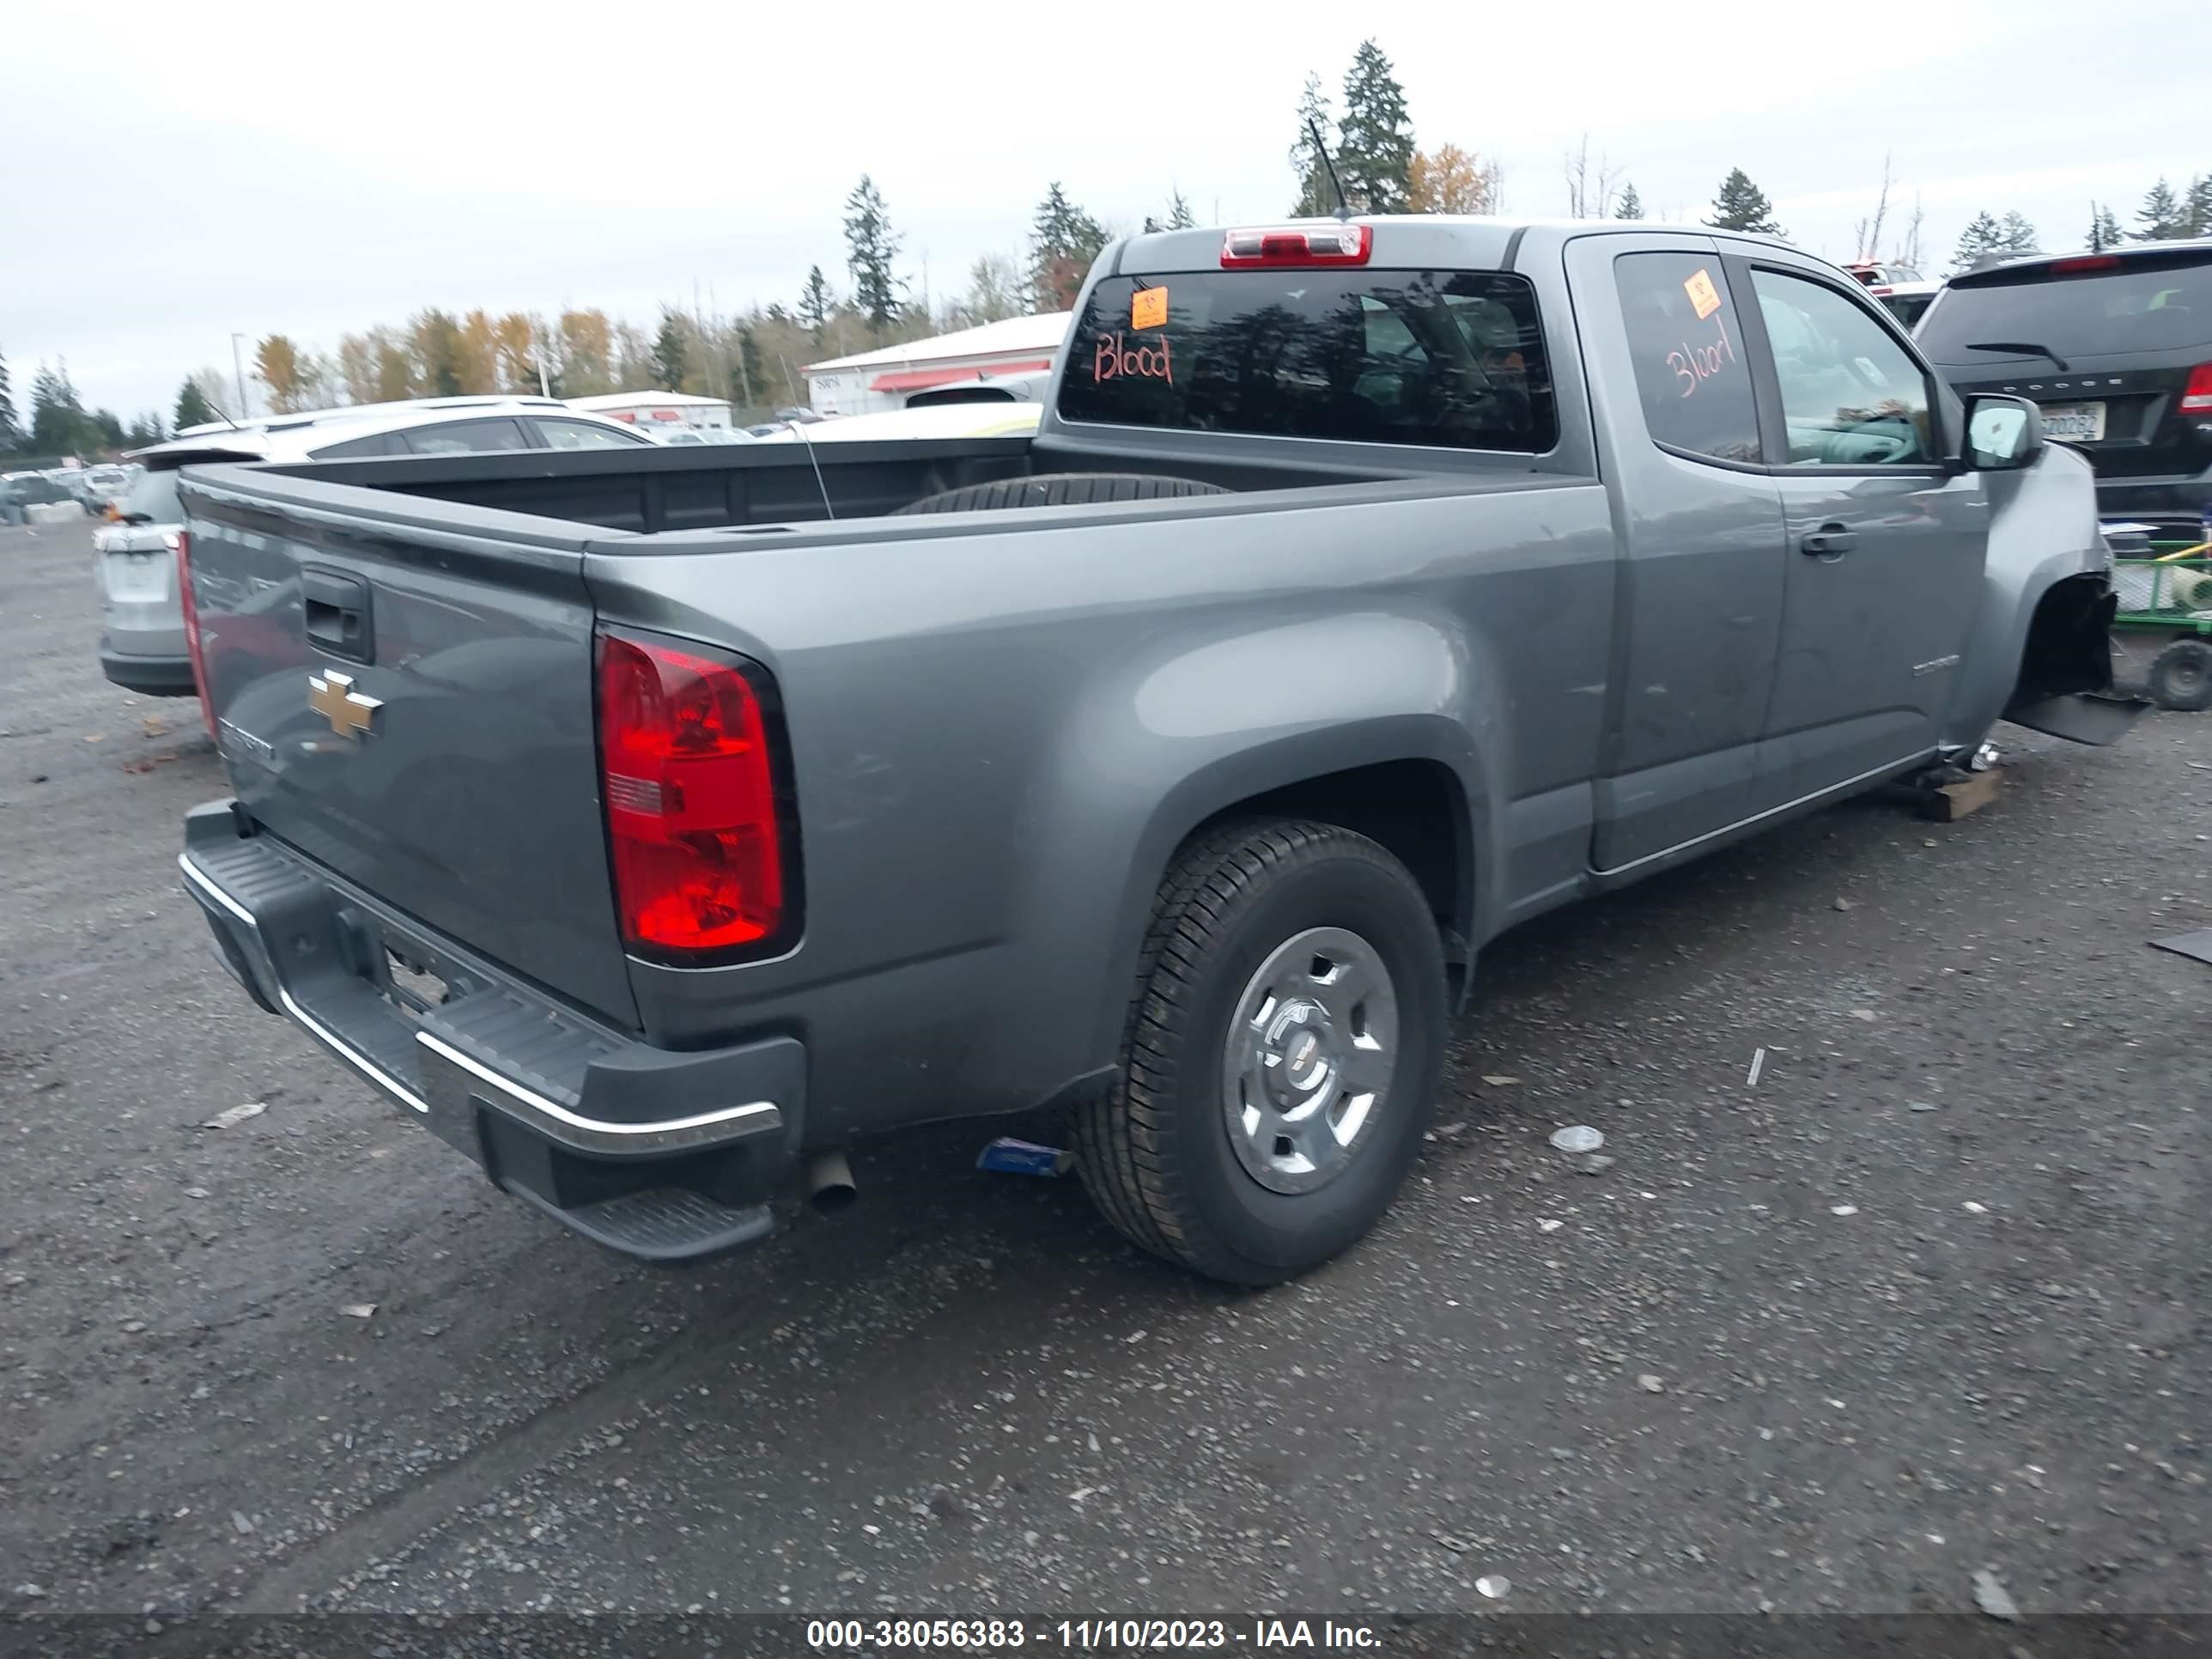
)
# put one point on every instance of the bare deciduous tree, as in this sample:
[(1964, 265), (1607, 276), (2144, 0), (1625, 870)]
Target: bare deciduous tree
[(1908, 246), (1868, 232), (1589, 188)]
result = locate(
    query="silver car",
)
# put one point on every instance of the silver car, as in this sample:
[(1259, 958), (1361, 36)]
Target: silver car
[(142, 644)]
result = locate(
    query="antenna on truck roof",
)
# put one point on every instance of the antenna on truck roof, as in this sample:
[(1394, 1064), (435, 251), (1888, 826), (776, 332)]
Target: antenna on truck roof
[(828, 511), (1320, 148)]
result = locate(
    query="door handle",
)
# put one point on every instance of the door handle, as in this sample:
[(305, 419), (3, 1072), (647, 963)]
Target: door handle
[(335, 606), (1830, 541)]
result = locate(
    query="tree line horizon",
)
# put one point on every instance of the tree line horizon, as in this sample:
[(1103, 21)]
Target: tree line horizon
[(755, 358)]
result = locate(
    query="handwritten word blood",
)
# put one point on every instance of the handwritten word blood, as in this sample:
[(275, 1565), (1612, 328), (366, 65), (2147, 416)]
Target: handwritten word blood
[(1114, 360), (1693, 364)]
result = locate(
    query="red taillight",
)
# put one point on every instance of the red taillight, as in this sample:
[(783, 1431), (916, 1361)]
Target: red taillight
[(690, 799), (2090, 262), (181, 541), (2197, 396), (1297, 245)]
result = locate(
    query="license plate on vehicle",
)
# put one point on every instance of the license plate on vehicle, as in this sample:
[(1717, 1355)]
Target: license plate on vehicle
[(2084, 422), (137, 576)]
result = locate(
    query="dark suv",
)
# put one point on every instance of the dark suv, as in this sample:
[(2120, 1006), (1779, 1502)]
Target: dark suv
[(2117, 347)]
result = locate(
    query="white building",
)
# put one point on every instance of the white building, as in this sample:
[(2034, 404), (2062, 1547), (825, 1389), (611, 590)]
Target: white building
[(874, 381), (657, 411)]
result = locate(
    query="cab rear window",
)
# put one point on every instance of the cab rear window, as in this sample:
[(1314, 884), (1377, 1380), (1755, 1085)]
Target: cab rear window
[(1452, 359)]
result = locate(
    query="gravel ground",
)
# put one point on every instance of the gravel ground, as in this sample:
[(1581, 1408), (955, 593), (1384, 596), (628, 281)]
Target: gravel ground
[(1926, 1299)]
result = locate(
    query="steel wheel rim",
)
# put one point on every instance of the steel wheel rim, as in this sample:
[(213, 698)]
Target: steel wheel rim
[(1307, 1068)]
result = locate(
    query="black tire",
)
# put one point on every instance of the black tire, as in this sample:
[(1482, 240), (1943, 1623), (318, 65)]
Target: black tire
[(1059, 489), (2181, 676), (1156, 1153)]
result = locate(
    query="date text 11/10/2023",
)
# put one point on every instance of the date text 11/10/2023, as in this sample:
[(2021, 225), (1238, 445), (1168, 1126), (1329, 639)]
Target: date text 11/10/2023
[(1088, 1635)]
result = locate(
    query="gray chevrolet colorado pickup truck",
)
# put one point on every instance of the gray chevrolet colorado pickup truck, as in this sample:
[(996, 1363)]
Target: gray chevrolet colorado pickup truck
[(654, 825)]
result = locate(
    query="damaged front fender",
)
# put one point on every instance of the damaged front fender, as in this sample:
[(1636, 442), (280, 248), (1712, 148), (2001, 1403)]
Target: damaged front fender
[(2041, 653), (2066, 666), (2081, 718)]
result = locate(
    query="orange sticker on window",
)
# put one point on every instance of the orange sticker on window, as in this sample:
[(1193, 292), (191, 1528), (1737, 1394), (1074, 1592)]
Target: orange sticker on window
[(1148, 307), (1703, 295)]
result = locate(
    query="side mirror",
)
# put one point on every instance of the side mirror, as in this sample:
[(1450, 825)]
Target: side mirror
[(2002, 433)]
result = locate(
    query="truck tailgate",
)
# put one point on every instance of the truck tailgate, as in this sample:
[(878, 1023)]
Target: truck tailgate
[(411, 707)]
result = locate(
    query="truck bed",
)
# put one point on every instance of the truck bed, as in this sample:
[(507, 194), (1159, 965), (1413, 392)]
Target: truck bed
[(740, 486)]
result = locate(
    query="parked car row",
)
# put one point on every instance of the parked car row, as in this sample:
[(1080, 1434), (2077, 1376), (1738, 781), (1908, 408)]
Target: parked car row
[(94, 488)]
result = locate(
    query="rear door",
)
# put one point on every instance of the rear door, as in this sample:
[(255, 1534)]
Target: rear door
[(411, 708), (2124, 333), (1700, 524), (1885, 543)]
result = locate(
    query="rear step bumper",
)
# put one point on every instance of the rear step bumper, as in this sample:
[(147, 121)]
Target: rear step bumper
[(661, 1155)]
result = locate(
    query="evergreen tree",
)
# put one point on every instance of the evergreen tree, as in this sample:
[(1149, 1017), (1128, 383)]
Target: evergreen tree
[(668, 351), (870, 246), (2016, 234), (815, 303), (11, 435), (1983, 235), (2160, 216), (1064, 240), (59, 425), (1631, 205), (1375, 141), (753, 386), (1316, 196), (1742, 205), (2104, 229), (1179, 217), (192, 406), (2197, 208)]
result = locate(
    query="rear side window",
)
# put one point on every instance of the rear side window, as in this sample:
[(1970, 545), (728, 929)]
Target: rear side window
[(1453, 359), (584, 435), (462, 436), (2140, 304), (1691, 369), (381, 443)]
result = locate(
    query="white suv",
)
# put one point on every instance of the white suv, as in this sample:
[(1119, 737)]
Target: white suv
[(135, 557)]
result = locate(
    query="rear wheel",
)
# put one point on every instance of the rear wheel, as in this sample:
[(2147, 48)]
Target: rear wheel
[(1061, 490), (2181, 676), (1283, 1053)]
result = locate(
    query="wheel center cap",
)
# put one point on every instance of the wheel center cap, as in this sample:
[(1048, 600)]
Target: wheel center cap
[(1297, 1052)]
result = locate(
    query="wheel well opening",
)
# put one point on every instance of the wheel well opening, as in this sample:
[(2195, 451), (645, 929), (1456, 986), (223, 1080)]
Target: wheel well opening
[(1414, 808), (2069, 647)]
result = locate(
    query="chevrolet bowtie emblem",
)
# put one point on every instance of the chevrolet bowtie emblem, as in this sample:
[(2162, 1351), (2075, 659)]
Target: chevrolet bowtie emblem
[(331, 694)]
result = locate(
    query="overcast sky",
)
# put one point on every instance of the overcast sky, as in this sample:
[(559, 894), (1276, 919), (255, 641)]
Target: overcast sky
[(169, 174)]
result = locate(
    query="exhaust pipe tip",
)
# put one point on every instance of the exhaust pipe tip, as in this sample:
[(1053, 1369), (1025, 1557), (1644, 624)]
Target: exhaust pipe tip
[(830, 1183)]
